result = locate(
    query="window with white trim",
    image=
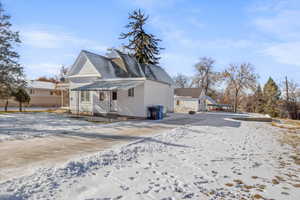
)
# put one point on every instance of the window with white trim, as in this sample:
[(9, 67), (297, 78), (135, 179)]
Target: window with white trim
[(131, 92), (85, 96), (101, 96)]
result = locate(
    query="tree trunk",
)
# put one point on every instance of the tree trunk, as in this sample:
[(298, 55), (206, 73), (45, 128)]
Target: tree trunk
[(6, 105), (235, 102), (20, 106)]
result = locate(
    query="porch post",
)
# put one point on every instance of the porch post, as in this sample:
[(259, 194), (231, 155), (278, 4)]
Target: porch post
[(110, 100), (62, 98)]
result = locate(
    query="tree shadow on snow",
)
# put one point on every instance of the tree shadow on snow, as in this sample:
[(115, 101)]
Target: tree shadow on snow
[(205, 119), (120, 137), (10, 197)]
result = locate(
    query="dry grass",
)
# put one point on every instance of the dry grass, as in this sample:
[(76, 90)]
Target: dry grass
[(288, 126), (296, 159), (238, 181), (297, 185), (229, 184), (258, 196), (262, 187), (275, 181), (248, 187), (291, 138), (292, 122)]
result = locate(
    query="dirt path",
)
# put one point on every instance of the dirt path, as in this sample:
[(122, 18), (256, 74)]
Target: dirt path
[(19, 157)]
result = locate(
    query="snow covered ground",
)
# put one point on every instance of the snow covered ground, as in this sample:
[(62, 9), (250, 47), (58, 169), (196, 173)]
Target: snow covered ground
[(204, 156)]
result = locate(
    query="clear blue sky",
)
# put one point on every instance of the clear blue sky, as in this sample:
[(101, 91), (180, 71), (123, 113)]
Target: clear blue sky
[(265, 33)]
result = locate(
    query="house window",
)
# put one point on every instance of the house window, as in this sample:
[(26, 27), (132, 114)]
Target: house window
[(85, 96), (131, 92), (101, 96), (114, 95), (177, 102)]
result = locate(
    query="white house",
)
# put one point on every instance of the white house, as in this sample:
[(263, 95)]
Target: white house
[(117, 84), (192, 99)]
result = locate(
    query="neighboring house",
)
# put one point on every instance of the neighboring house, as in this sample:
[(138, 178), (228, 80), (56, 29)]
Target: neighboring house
[(42, 94), (117, 84), (191, 99)]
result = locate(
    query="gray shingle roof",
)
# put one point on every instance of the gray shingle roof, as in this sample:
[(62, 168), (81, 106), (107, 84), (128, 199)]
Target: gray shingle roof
[(109, 85), (188, 92), (108, 69), (40, 85), (195, 93)]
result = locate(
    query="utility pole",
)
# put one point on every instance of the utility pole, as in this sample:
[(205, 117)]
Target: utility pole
[(287, 96), (287, 89)]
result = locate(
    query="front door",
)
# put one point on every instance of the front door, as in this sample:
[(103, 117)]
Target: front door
[(113, 101)]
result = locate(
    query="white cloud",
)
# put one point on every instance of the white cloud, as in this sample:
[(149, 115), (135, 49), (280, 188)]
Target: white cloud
[(36, 70), (40, 38), (196, 22), (46, 39), (284, 25), (273, 5), (176, 62), (280, 22), (286, 53)]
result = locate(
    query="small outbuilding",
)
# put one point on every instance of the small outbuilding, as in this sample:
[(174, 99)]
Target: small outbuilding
[(192, 99)]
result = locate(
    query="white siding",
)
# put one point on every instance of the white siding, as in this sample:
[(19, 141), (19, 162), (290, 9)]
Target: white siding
[(131, 106), (157, 93), (88, 69), (75, 98), (186, 105), (101, 106), (145, 95)]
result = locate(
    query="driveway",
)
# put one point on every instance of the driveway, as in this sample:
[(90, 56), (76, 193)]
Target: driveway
[(33, 140)]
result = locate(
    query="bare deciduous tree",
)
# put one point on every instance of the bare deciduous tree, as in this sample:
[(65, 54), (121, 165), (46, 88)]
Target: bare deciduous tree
[(290, 96), (205, 78), (238, 79), (289, 88), (181, 81)]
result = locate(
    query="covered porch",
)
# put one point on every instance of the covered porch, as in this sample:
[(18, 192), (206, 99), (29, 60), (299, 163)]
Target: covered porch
[(107, 97)]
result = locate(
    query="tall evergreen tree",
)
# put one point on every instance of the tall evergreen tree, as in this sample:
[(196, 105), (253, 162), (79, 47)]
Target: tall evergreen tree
[(144, 46), (11, 73), (271, 96), (259, 100)]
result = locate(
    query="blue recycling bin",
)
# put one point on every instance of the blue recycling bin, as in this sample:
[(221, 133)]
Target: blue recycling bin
[(155, 112), (160, 110)]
